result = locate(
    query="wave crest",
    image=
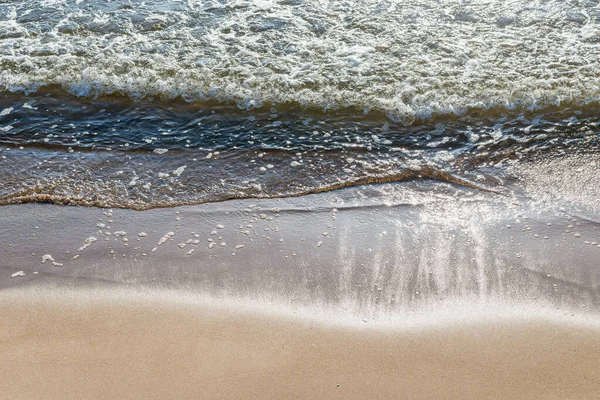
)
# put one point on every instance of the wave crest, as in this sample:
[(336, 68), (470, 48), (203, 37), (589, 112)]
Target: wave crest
[(410, 61)]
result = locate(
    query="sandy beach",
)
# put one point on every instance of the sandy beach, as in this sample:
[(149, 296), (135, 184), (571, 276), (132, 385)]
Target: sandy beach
[(398, 291), (299, 200), (106, 345)]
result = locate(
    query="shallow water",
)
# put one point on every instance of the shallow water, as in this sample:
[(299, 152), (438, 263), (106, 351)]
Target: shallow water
[(115, 153), (183, 102)]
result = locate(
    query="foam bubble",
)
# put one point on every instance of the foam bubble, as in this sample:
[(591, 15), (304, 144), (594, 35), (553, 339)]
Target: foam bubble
[(88, 242), (166, 237), (179, 170)]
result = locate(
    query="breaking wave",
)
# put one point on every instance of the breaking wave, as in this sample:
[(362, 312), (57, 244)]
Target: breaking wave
[(411, 60)]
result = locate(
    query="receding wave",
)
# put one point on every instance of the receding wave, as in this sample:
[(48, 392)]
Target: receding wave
[(185, 102), (411, 60), (54, 148)]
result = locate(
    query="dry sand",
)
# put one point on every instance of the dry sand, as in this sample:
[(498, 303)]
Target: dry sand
[(110, 346)]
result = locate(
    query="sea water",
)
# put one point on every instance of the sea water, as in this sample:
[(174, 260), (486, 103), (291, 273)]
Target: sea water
[(164, 103)]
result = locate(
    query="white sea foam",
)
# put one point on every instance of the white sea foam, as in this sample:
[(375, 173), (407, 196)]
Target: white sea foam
[(165, 238), (88, 243), (6, 111), (179, 170), (411, 60)]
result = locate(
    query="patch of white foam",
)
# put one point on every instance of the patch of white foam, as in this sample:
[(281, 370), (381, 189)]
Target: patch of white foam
[(572, 179), (411, 62), (166, 237), (6, 111), (88, 242), (179, 170)]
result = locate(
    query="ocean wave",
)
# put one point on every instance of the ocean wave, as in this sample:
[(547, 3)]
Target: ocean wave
[(111, 153), (409, 60)]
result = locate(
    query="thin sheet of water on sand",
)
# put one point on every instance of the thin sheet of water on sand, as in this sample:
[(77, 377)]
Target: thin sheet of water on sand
[(369, 252)]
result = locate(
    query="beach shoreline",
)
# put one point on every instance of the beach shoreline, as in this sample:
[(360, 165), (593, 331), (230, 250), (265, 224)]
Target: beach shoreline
[(299, 200), (418, 290)]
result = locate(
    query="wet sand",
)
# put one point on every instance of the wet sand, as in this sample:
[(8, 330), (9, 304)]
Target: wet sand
[(106, 345), (419, 290)]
